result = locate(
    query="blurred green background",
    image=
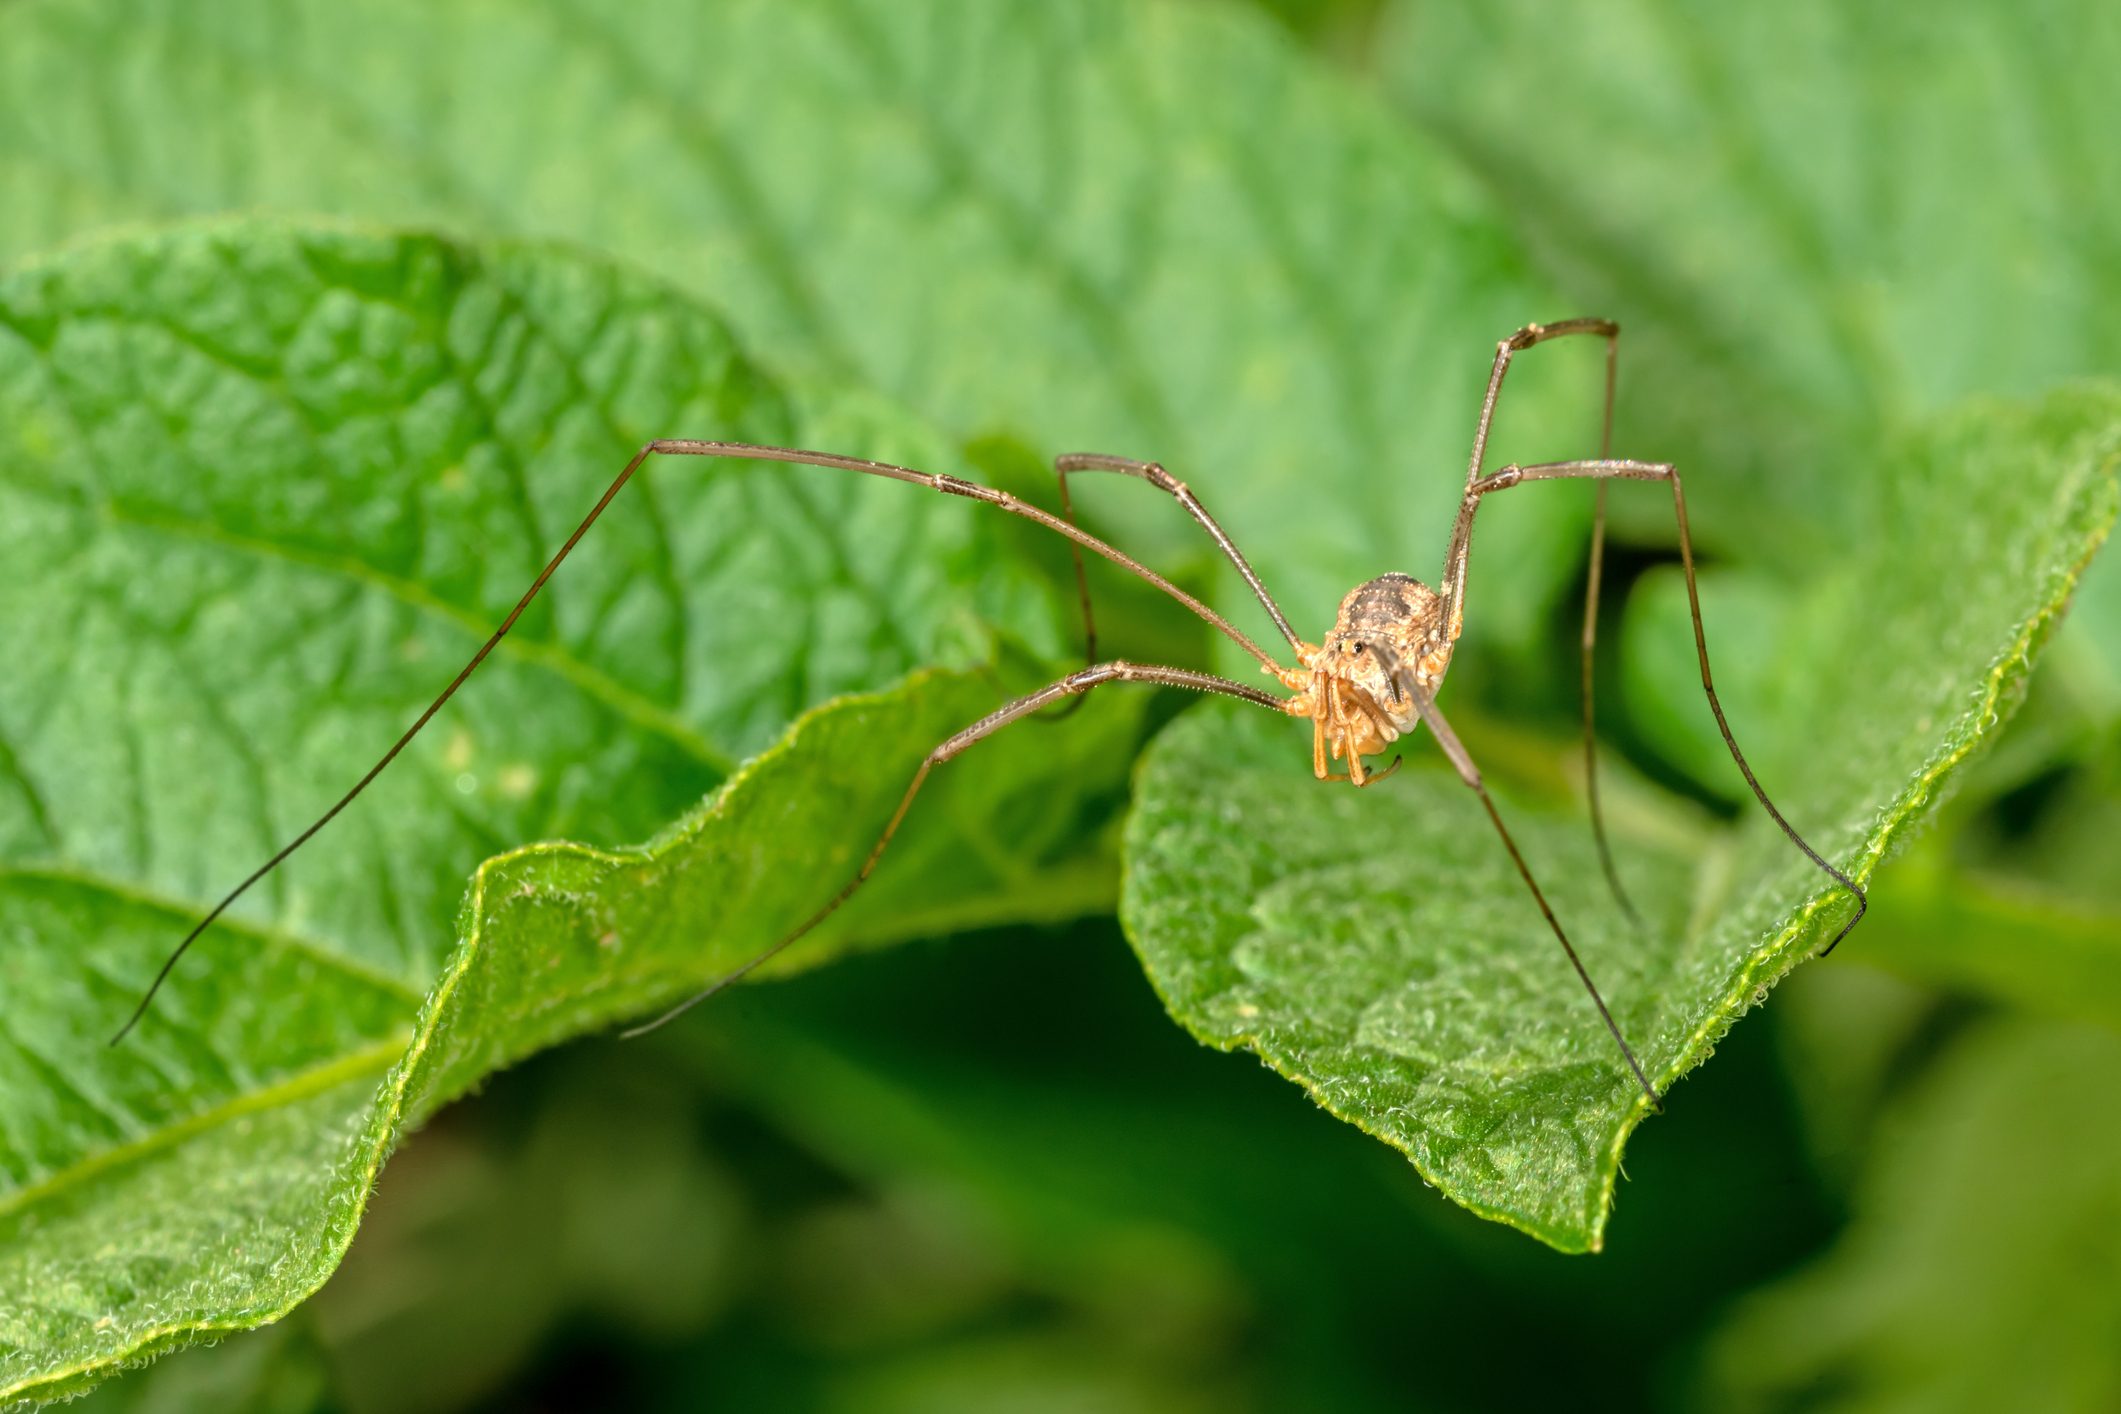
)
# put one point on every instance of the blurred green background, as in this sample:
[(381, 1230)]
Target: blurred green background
[(1897, 1187)]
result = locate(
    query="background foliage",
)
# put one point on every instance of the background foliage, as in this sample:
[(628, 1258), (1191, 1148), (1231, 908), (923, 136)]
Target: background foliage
[(1271, 248)]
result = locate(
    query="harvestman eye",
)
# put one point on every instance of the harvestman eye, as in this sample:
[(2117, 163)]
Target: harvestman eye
[(1407, 630)]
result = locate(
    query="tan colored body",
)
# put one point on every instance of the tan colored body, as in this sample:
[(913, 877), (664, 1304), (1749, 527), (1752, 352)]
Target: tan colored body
[(1345, 686)]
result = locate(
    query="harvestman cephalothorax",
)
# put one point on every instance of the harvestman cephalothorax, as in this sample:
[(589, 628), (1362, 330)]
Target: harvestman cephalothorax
[(1372, 679)]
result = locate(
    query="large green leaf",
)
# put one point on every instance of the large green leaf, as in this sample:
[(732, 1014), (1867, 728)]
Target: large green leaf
[(261, 491), (1119, 227), (1378, 947)]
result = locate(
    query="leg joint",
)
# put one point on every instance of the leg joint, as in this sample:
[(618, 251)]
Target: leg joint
[(1539, 333), (1091, 676), (957, 486), (1501, 480)]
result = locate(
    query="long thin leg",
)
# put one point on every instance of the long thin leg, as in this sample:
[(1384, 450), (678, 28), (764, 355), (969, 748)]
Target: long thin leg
[(935, 481), (1609, 469), (1155, 475), (1462, 760), (1455, 564), (1594, 578), (1074, 685)]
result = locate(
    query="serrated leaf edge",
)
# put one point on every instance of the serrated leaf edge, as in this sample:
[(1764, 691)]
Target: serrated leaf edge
[(386, 1125)]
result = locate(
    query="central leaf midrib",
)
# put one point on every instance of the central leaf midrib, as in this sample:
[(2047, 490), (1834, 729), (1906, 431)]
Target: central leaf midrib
[(376, 1057)]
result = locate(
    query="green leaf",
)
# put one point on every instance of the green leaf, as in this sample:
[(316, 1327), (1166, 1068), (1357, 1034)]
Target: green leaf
[(1145, 229), (1378, 947), (262, 490), (1982, 1268)]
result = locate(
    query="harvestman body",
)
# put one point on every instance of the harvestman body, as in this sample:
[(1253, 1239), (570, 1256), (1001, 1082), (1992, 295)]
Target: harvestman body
[(1371, 680)]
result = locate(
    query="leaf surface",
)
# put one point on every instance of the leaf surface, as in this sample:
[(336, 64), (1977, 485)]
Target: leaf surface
[(1378, 948), (262, 490)]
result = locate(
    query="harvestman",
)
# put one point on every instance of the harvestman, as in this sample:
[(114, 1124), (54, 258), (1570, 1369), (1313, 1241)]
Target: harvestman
[(1372, 679)]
